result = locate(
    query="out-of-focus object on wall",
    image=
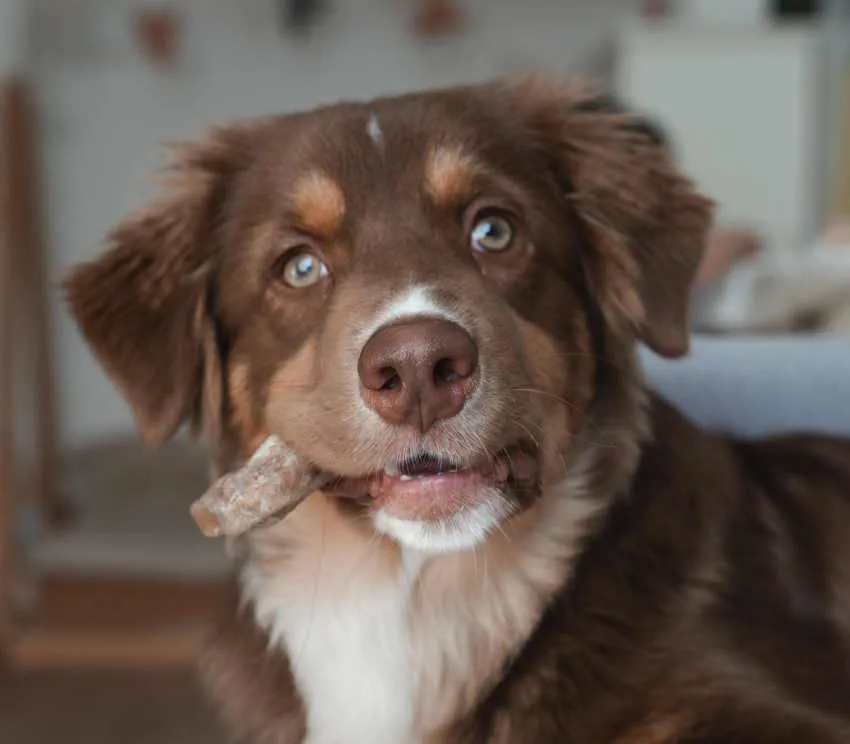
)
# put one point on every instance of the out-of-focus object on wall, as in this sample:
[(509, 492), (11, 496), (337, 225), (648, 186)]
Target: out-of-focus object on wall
[(738, 13), (745, 112), (157, 30), (299, 15), (655, 9), (436, 18), (796, 9)]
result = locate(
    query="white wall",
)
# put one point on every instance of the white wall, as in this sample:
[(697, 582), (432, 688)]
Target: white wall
[(104, 109), (745, 111), (12, 35)]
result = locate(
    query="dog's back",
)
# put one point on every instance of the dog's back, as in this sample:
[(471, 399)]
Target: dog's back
[(779, 619), (796, 516)]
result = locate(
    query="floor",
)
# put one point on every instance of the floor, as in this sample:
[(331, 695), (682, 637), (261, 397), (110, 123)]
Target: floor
[(126, 584), (83, 623), (75, 707), (47, 699)]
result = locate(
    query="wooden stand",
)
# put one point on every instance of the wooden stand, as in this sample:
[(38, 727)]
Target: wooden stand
[(8, 269), (25, 344)]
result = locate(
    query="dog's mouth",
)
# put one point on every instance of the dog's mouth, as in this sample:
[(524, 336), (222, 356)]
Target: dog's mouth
[(429, 486)]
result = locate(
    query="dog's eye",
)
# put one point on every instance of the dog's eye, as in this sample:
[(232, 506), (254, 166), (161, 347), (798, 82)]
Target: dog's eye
[(491, 234), (303, 269)]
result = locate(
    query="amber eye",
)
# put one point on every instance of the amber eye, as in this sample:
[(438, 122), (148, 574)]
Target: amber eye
[(303, 269), (491, 234)]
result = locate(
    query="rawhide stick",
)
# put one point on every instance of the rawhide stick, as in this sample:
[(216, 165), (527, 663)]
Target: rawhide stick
[(269, 486)]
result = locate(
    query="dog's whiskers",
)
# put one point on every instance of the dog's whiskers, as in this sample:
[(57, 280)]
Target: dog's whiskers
[(547, 394)]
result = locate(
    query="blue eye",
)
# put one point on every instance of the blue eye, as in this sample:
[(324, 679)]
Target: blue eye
[(303, 270), (491, 234)]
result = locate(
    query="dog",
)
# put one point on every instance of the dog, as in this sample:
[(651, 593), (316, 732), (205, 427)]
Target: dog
[(438, 298)]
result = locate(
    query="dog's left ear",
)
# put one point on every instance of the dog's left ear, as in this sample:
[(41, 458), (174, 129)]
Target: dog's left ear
[(645, 225), (144, 305)]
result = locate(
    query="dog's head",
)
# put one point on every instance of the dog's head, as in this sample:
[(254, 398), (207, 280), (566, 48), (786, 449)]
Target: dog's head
[(417, 294)]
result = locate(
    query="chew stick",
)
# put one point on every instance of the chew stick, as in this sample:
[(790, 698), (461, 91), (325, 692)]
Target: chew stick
[(269, 486)]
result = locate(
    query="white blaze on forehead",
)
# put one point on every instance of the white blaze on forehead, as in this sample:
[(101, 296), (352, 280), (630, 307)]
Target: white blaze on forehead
[(413, 302), (416, 300), (373, 129)]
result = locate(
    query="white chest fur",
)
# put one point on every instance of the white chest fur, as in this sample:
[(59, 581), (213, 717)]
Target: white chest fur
[(352, 661), (355, 669), (345, 625)]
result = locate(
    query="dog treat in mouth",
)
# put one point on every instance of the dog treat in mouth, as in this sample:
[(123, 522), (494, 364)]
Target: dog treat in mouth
[(269, 486)]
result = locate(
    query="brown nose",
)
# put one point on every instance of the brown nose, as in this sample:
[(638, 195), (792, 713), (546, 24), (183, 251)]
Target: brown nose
[(417, 372)]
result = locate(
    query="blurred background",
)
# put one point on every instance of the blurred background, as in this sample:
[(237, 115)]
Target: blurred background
[(105, 586)]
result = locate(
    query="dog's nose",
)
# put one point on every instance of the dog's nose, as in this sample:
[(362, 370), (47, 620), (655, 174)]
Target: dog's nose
[(419, 371)]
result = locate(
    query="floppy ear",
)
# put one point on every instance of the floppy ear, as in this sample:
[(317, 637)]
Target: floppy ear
[(144, 306), (645, 225)]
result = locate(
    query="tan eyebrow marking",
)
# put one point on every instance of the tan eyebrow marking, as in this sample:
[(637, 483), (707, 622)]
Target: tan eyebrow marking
[(449, 175), (318, 203)]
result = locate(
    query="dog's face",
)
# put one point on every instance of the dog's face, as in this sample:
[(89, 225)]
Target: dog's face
[(416, 294)]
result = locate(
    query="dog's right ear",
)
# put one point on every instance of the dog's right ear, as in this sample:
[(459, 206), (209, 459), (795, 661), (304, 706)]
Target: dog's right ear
[(143, 306), (644, 223)]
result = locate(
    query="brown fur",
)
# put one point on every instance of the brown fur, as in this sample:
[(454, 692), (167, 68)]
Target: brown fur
[(661, 586)]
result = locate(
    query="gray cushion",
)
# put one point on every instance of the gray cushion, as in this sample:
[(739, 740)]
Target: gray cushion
[(759, 385)]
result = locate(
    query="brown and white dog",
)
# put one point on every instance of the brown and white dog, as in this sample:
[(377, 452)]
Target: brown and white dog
[(437, 297)]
